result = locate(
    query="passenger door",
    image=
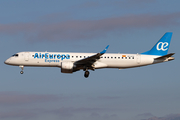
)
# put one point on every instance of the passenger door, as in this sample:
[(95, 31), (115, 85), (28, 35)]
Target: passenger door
[(138, 58), (26, 56)]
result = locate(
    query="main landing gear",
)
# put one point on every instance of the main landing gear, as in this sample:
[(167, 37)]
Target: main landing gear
[(22, 67), (86, 74)]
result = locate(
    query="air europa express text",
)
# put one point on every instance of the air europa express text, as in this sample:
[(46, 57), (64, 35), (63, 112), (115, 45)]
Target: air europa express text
[(51, 56)]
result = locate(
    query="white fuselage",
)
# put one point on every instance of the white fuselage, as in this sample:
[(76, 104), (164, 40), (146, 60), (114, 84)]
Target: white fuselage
[(54, 59)]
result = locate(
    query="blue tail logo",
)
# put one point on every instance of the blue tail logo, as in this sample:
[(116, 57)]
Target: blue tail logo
[(162, 46)]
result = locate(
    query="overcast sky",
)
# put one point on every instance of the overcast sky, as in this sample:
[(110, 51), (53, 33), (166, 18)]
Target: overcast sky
[(128, 26)]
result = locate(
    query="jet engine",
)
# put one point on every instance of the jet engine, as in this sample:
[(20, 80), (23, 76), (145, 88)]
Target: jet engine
[(67, 67)]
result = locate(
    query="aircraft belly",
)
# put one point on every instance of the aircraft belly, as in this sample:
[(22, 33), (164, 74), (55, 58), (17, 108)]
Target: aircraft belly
[(98, 65), (128, 63), (120, 63)]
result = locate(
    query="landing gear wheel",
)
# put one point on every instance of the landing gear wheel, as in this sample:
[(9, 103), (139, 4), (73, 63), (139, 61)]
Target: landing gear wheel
[(22, 67), (21, 72), (86, 74)]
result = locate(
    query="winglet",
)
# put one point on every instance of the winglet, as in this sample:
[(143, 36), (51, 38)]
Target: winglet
[(104, 51)]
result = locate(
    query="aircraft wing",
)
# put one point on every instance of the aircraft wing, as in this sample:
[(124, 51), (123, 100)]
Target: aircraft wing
[(90, 60)]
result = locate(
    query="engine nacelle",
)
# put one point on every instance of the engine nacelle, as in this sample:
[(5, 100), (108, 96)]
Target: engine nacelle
[(67, 67)]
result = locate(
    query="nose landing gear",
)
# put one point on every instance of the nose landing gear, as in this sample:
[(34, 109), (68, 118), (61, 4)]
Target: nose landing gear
[(22, 67)]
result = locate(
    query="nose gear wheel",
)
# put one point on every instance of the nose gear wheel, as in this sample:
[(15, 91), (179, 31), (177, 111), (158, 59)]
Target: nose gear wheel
[(22, 67)]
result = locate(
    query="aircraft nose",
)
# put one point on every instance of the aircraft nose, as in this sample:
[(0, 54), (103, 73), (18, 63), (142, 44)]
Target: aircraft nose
[(7, 61)]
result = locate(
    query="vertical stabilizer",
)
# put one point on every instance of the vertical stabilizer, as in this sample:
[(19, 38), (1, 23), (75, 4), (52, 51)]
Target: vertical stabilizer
[(162, 46)]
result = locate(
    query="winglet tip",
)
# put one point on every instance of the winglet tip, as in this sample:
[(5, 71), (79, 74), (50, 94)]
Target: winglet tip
[(104, 51), (107, 46)]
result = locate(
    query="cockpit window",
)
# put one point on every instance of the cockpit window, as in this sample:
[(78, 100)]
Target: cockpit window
[(15, 55)]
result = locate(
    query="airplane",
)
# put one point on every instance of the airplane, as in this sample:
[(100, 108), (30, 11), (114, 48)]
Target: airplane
[(70, 62)]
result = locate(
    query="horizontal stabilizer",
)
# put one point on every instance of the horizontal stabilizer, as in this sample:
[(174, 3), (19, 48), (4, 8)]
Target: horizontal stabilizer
[(165, 56)]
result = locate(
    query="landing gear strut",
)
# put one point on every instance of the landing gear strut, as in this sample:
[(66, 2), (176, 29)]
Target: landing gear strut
[(86, 74), (22, 67)]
